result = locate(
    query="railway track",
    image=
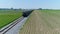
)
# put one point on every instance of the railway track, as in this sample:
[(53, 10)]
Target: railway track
[(9, 26)]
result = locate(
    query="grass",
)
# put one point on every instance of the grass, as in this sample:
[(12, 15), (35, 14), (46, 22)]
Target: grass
[(7, 16), (42, 22)]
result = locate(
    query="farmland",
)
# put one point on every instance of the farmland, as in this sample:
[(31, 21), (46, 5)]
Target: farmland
[(42, 22), (7, 16)]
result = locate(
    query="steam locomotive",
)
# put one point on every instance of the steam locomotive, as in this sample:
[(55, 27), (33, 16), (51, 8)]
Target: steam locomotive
[(27, 13)]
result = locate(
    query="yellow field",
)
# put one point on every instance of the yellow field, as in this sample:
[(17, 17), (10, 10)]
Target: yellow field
[(42, 23)]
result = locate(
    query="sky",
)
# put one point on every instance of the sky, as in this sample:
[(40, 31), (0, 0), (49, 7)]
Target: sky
[(30, 4)]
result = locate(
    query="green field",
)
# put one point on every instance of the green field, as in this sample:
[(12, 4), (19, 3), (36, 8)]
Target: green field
[(7, 16), (42, 22)]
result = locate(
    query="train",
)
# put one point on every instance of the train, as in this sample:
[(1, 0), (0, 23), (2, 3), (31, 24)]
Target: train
[(27, 13)]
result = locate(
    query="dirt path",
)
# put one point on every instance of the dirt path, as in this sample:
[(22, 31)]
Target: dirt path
[(38, 24)]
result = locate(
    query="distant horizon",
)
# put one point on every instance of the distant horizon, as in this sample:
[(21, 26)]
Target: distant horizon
[(30, 4), (28, 8)]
